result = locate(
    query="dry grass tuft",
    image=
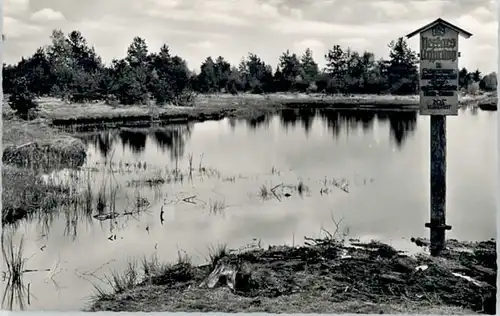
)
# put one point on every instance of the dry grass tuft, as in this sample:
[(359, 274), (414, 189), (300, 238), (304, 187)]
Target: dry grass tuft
[(216, 253)]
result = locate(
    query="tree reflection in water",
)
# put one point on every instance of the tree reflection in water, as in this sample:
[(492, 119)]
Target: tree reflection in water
[(134, 139), (174, 138)]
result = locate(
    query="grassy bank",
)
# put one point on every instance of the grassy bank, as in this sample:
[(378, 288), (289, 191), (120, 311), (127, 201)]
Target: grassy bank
[(24, 193), (29, 150), (57, 153), (205, 107), (324, 276)]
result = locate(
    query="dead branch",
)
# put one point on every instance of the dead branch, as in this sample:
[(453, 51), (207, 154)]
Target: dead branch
[(36, 270), (276, 186), (337, 224), (274, 193), (189, 199)]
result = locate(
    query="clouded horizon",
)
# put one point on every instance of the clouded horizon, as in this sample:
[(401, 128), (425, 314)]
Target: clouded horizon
[(196, 29)]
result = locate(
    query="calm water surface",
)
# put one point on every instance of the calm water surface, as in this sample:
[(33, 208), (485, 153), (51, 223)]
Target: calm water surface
[(383, 157)]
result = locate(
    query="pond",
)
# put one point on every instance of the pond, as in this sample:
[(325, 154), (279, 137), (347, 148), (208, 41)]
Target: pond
[(270, 180)]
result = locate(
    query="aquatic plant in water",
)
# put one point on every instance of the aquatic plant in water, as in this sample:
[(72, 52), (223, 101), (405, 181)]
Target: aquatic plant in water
[(15, 291)]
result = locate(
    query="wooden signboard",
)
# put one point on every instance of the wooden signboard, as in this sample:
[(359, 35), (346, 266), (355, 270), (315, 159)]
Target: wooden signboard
[(439, 71), (439, 67), (438, 98)]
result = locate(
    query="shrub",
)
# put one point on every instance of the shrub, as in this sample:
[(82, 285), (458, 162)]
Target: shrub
[(185, 98), (312, 88), (111, 100), (22, 100), (232, 88), (473, 88), (489, 82)]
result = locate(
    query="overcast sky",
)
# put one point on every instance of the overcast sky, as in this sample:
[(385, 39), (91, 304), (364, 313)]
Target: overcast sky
[(195, 29)]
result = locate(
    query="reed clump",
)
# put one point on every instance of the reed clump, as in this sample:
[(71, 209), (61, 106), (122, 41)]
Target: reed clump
[(15, 262)]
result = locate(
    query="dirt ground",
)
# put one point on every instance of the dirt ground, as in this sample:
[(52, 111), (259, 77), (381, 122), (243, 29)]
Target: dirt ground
[(322, 277)]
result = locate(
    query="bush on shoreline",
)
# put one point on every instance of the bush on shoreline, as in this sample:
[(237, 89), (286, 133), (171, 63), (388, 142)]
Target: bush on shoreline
[(21, 100)]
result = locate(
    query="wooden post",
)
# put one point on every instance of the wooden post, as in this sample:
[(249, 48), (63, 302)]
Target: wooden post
[(437, 223), (438, 98)]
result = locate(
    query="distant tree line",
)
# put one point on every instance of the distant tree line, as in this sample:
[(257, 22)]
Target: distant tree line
[(71, 69)]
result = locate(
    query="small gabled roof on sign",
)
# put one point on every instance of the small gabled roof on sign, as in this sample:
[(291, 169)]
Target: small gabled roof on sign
[(440, 21)]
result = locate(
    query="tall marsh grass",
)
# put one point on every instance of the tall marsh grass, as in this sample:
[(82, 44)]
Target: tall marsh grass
[(118, 283), (301, 188), (15, 291), (216, 206), (216, 253), (102, 200), (88, 196), (264, 192), (153, 272)]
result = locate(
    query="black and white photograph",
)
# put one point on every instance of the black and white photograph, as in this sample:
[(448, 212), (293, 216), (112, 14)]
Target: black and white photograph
[(244, 156)]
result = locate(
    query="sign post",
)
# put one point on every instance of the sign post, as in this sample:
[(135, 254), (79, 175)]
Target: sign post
[(438, 98)]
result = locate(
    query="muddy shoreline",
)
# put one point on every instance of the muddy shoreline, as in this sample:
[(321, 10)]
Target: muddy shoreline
[(323, 276)]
